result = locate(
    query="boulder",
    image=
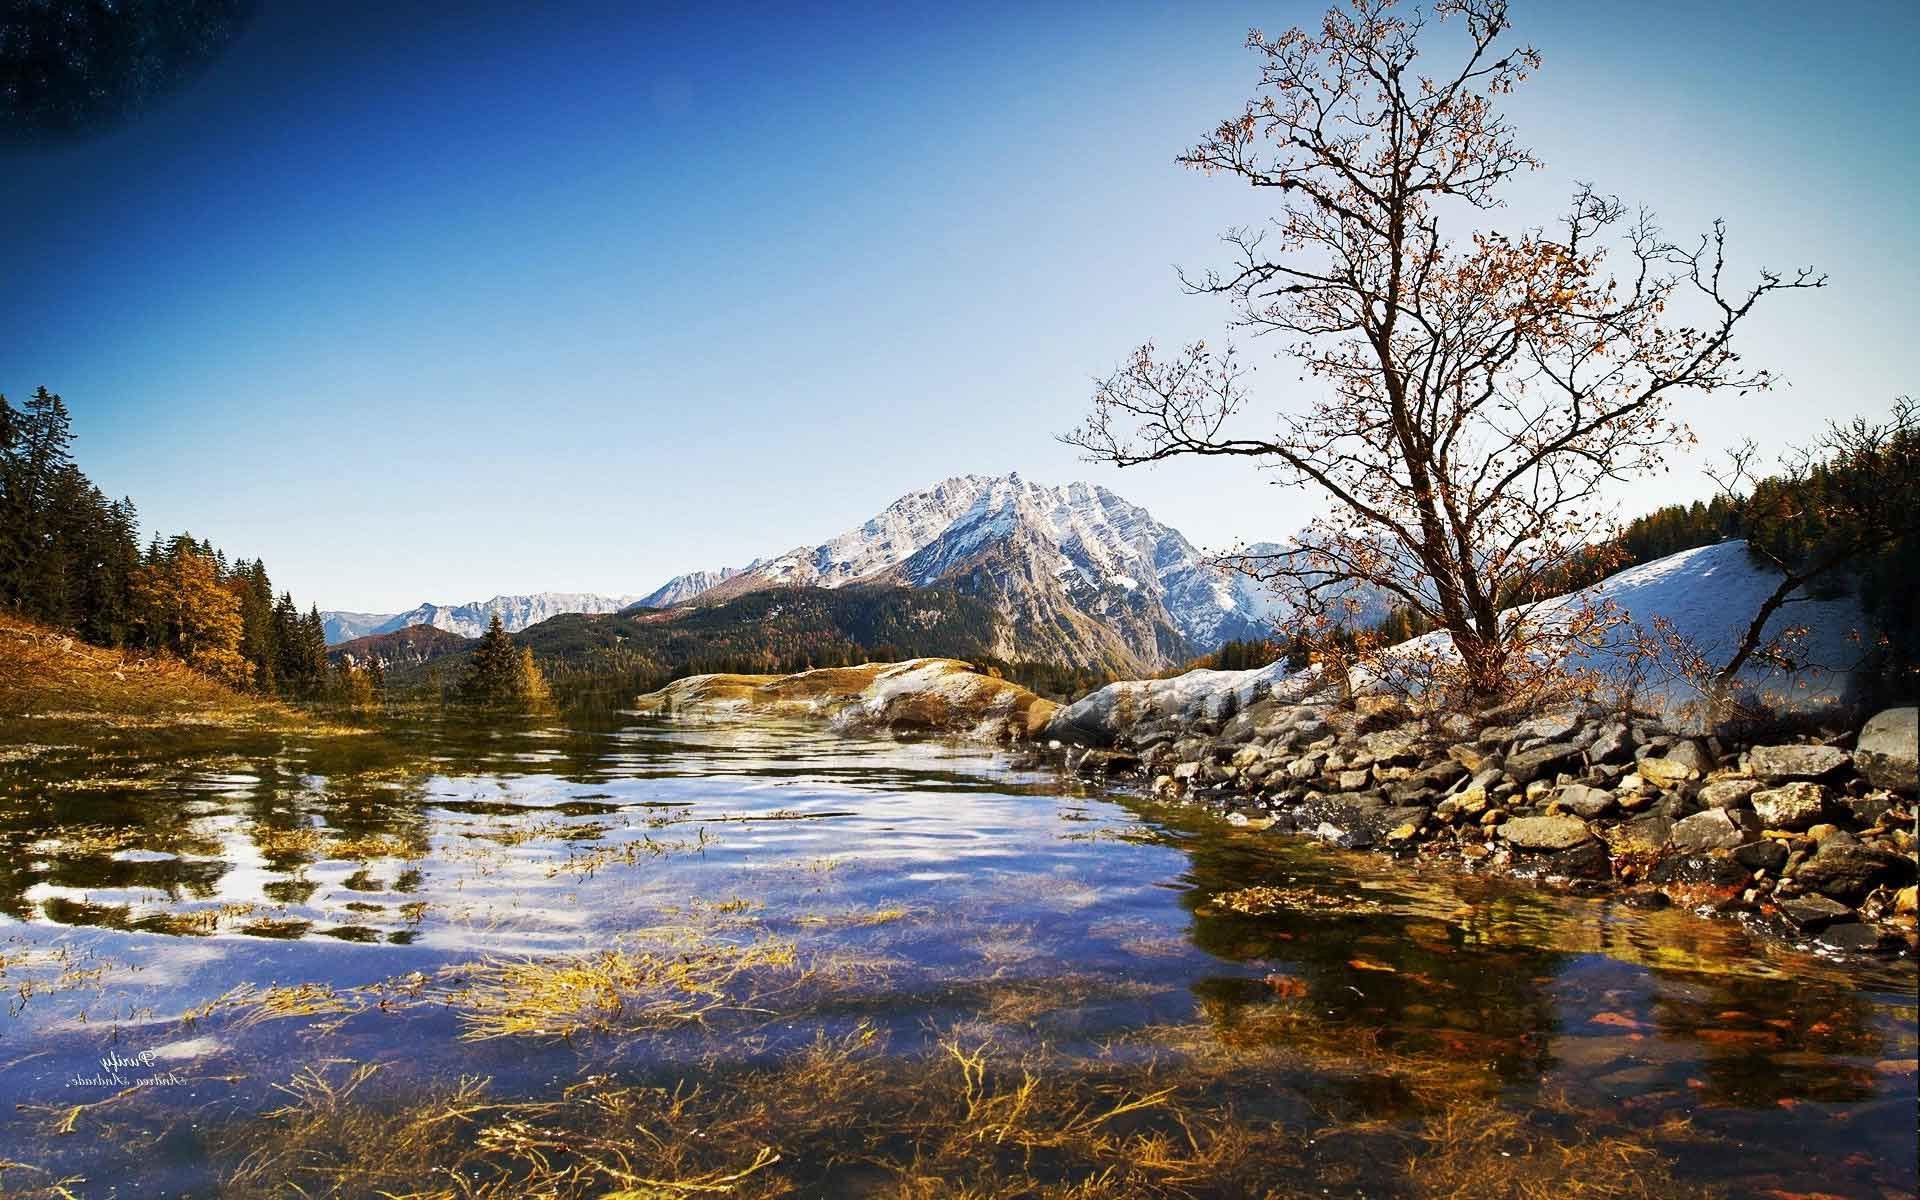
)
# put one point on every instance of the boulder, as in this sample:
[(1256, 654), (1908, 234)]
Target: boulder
[(1764, 854), (1614, 743), (1794, 806), (1546, 833), (1643, 835), (1692, 754), (1847, 869), (1529, 765), (1714, 829), (1393, 745), (1728, 793), (1888, 750), (1583, 801), (1813, 913), (1778, 764), (1667, 773)]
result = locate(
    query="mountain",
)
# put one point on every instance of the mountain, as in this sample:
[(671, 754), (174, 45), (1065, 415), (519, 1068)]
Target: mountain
[(470, 620), (682, 588), (346, 626), (1082, 576)]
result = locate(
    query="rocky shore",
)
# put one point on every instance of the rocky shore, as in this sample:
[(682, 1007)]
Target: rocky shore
[(1816, 838), (1813, 837)]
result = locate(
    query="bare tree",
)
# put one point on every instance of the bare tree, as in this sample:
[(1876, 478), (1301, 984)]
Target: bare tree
[(1475, 397)]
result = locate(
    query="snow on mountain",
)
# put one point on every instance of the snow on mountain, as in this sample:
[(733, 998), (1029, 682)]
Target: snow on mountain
[(1082, 575), (470, 620), (682, 588), (1707, 595)]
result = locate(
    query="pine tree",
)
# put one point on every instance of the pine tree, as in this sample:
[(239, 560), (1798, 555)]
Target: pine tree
[(502, 675)]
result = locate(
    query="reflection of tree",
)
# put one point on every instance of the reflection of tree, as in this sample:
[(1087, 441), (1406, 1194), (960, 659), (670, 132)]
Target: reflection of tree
[(1475, 985), (1772, 1039)]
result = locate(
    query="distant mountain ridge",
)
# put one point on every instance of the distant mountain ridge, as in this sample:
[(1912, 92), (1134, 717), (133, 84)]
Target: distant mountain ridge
[(682, 588), (471, 619)]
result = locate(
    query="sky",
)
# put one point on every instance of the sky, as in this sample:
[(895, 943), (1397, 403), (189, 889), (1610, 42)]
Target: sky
[(436, 302)]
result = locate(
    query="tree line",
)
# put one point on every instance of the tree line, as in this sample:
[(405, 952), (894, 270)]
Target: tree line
[(72, 559)]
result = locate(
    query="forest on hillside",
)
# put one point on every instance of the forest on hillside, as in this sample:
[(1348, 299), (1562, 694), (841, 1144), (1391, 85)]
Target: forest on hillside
[(72, 559)]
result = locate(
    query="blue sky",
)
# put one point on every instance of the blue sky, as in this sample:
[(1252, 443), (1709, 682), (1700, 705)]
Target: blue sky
[(436, 302)]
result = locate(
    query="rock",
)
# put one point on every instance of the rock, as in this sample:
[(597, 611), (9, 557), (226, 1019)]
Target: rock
[(1852, 936), (1794, 806), (1186, 772), (1353, 781), (1762, 855), (1469, 757), (1667, 773), (1393, 745), (1847, 869), (1546, 833), (1728, 793), (1888, 749), (1777, 764), (1440, 776), (1583, 801), (1302, 769), (1549, 727), (1643, 835), (1588, 860), (1647, 898), (1813, 913), (1614, 743), (1529, 765), (1692, 754), (1867, 809), (1714, 829), (1906, 901)]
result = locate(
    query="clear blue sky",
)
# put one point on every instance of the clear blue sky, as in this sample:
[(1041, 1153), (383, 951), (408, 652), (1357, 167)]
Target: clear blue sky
[(439, 301)]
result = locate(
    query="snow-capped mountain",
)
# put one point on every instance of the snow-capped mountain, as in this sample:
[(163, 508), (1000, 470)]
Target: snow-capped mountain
[(682, 588), (1082, 575), (470, 620)]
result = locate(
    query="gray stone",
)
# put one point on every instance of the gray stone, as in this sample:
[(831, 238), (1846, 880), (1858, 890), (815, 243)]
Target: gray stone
[(1692, 754), (1868, 808), (1549, 727), (1846, 869), (1794, 806), (1888, 751), (1728, 793), (1713, 829), (1583, 801), (1614, 743), (1643, 835), (1546, 833), (1762, 855), (1777, 764), (1529, 765), (1393, 745), (1813, 913), (1667, 773)]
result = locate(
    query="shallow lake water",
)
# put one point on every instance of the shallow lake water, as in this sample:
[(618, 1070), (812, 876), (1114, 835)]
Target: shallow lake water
[(645, 958)]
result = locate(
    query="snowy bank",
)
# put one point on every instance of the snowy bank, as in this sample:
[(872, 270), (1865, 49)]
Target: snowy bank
[(1708, 595)]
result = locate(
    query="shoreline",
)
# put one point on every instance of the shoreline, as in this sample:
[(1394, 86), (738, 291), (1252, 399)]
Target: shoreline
[(1812, 842)]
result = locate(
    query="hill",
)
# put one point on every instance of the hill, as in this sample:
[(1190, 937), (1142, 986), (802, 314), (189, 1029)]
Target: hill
[(49, 676), (771, 630), (412, 646)]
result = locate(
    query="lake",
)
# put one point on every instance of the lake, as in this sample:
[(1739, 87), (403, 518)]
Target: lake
[(634, 957)]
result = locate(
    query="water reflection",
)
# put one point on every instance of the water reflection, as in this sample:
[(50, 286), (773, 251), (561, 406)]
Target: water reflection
[(267, 906)]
